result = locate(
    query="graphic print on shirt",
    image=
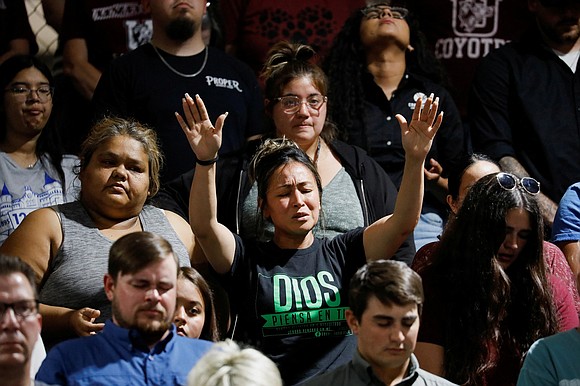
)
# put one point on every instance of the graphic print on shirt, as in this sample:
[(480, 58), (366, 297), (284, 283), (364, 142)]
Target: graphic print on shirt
[(307, 306), (138, 26), (475, 23), (13, 211)]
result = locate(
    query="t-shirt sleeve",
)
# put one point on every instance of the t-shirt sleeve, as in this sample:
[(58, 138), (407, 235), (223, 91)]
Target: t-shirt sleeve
[(564, 304), (18, 25), (538, 369), (74, 21), (567, 221)]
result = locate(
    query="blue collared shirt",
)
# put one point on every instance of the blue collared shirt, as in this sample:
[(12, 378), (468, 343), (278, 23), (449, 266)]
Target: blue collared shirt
[(119, 356)]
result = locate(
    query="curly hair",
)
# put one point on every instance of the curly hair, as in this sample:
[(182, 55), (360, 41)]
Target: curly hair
[(346, 64), (289, 61), (486, 304)]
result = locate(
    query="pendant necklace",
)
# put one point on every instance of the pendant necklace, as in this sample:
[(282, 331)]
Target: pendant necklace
[(181, 73)]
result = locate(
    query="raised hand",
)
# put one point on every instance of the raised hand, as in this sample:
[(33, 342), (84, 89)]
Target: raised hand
[(417, 136), (205, 139)]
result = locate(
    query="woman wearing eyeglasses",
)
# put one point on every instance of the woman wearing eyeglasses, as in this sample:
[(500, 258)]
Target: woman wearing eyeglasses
[(33, 171), (488, 295), (379, 66), (357, 191)]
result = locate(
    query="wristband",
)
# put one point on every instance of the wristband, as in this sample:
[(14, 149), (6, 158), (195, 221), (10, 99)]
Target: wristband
[(207, 162)]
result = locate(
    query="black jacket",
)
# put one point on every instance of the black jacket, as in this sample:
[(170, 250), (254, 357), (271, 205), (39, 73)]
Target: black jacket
[(375, 190)]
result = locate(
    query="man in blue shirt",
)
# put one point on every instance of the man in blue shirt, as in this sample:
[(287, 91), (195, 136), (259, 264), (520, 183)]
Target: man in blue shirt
[(140, 345)]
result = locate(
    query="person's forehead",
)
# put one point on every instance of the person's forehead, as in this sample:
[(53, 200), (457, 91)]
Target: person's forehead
[(375, 308), (15, 286), (386, 3), (161, 270)]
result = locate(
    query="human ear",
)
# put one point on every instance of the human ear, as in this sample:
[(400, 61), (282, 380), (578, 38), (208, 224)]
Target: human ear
[(109, 285), (452, 204), (264, 208), (352, 321)]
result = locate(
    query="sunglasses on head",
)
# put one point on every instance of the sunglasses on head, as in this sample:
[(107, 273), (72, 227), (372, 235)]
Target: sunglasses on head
[(510, 182)]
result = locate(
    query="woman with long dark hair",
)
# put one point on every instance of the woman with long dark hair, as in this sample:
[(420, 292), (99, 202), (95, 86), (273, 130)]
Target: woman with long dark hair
[(378, 67), (195, 315), (34, 173), (488, 293)]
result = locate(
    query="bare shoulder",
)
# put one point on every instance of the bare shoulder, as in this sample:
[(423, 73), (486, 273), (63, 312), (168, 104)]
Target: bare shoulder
[(36, 240)]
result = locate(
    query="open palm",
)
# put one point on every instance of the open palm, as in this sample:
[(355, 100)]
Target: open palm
[(205, 139), (418, 135)]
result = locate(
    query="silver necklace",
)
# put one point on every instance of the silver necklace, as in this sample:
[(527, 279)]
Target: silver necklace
[(181, 73)]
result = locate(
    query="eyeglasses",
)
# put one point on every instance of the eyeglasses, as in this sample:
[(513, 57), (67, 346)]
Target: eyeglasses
[(510, 182), (44, 93), (291, 103), (380, 11), (22, 309)]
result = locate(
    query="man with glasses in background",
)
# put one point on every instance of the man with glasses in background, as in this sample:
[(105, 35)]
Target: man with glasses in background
[(20, 322), (525, 102)]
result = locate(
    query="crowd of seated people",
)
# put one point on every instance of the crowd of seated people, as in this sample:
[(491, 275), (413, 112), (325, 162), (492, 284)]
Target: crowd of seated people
[(247, 230)]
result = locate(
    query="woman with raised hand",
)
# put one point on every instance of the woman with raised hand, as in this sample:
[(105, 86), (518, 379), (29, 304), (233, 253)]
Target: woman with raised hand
[(357, 191), (488, 293), (289, 293), (379, 66)]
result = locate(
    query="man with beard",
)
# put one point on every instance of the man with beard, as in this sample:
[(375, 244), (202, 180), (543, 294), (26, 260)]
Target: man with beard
[(20, 321), (140, 345), (525, 102), (149, 83)]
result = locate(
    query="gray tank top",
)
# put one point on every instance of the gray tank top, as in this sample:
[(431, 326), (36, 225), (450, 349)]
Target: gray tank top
[(74, 278)]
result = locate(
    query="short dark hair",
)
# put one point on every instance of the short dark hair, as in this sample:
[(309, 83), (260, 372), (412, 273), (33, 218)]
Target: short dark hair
[(457, 171), (392, 282), (135, 251), (13, 264)]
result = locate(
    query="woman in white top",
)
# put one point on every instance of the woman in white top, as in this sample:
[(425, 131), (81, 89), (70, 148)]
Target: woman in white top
[(33, 171)]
